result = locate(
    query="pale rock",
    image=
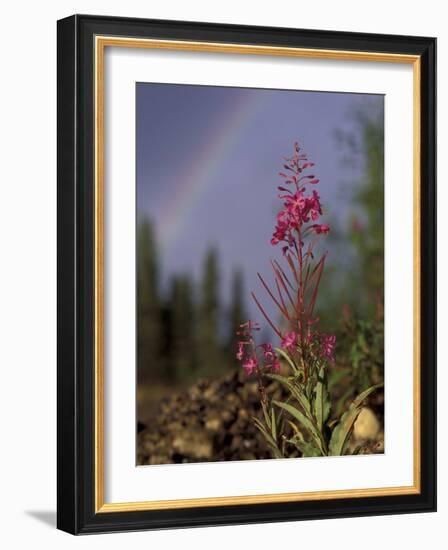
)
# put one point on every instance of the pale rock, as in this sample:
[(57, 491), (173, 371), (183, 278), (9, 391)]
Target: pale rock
[(366, 425)]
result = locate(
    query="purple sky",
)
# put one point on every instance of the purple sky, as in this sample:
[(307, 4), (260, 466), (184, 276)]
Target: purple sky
[(207, 167)]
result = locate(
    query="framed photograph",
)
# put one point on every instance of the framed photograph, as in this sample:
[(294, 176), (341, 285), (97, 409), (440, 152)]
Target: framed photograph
[(246, 274)]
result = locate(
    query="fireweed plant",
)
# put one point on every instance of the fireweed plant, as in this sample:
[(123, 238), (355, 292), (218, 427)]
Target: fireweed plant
[(299, 423)]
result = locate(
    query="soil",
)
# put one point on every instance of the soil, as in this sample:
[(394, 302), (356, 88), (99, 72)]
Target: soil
[(211, 421)]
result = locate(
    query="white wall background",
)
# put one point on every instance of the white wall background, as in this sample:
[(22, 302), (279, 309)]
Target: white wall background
[(28, 271)]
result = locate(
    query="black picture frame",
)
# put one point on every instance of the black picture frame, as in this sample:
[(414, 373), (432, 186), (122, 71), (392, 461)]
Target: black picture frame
[(76, 301)]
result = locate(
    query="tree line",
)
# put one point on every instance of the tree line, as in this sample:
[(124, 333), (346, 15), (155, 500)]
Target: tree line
[(186, 332)]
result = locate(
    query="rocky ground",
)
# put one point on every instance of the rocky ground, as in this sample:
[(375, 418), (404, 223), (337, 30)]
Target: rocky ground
[(212, 421), (209, 421)]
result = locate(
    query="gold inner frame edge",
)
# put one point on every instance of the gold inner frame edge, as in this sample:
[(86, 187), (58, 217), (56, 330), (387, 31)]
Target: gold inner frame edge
[(101, 42)]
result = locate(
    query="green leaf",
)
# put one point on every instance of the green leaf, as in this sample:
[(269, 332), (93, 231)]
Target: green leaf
[(342, 432), (273, 425), (308, 449), (297, 433), (272, 444), (321, 403), (295, 389), (363, 395), (260, 426), (305, 422), (266, 415)]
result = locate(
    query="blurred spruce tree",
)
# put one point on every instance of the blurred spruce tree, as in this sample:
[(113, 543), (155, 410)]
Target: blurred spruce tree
[(360, 348), (182, 329), (209, 353), (368, 230), (148, 306), (354, 275), (180, 336)]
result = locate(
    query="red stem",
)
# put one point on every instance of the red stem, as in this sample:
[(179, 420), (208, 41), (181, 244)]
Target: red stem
[(265, 315)]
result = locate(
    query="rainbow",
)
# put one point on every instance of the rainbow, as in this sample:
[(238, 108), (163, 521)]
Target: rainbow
[(199, 176)]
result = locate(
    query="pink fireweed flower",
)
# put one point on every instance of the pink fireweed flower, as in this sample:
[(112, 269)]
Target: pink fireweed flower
[(256, 358), (289, 340), (268, 351), (250, 325), (328, 342), (281, 230), (307, 165), (299, 206), (296, 287), (321, 229), (315, 209), (295, 203), (247, 328), (250, 366), (240, 352), (247, 348)]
